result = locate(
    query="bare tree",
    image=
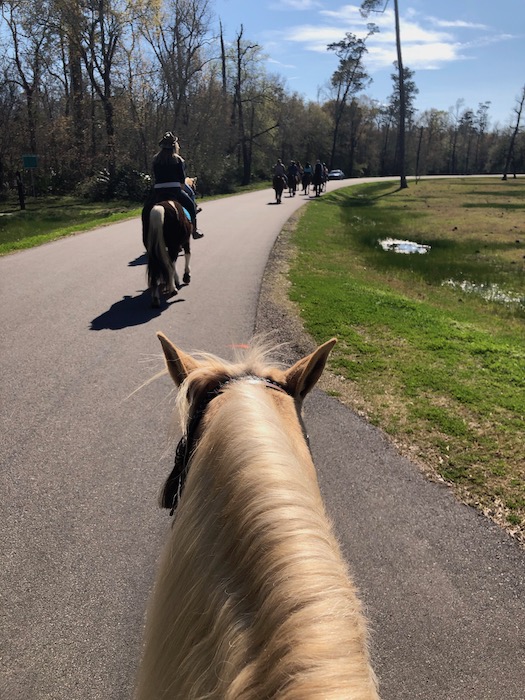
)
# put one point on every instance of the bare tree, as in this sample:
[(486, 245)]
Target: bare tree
[(481, 124), (246, 55), (97, 33), (30, 35), (68, 18), (434, 128), (368, 6), (178, 33), (518, 109)]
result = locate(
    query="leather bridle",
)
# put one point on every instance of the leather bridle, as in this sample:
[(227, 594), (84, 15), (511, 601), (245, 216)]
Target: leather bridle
[(185, 450)]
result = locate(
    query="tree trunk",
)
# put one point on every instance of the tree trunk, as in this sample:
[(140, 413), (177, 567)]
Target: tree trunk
[(515, 131), (419, 151), (402, 105), (223, 63)]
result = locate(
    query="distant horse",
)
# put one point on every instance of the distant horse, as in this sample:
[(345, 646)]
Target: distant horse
[(306, 181), (325, 179), (168, 233), (293, 181), (252, 598), (279, 183), (318, 182)]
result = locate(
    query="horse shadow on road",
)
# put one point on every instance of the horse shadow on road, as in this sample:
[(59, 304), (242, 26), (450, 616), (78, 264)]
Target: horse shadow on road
[(141, 260), (130, 311)]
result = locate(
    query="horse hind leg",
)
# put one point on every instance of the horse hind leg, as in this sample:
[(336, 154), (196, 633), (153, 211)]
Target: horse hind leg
[(160, 264), (173, 285), (155, 296), (186, 278)]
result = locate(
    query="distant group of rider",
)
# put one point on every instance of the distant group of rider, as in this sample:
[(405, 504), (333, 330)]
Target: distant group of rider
[(170, 180), (296, 173)]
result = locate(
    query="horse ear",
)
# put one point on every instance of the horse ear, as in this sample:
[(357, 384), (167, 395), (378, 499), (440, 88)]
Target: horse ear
[(179, 363), (302, 377)]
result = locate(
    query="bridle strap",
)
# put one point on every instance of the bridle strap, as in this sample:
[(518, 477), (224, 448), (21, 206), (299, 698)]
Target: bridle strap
[(186, 446)]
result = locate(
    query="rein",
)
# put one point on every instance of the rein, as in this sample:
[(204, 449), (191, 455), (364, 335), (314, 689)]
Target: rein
[(185, 450)]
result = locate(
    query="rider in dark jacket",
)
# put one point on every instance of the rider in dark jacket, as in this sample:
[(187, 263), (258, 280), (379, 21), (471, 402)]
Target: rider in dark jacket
[(170, 175), (293, 175), (318, 173), (278, 168)]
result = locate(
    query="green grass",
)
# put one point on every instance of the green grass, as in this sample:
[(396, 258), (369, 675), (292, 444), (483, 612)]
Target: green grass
[(50, 218), (438, 366)]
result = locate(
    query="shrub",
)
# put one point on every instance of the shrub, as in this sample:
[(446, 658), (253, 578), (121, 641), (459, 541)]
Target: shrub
[(127, 184)]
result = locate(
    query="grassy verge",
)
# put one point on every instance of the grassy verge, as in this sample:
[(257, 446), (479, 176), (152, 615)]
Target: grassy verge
[(431, 345), (50, 218)]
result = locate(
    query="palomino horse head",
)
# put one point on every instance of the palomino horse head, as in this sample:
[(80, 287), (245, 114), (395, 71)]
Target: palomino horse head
[(191, 182), (253, 598)]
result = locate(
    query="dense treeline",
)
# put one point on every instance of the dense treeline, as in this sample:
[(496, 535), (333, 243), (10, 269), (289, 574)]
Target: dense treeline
[(90, 86)]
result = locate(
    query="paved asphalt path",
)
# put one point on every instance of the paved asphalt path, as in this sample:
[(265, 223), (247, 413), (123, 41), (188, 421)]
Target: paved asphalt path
[(82, 462)]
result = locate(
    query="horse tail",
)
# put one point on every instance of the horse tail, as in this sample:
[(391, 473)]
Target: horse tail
[(160, 265)]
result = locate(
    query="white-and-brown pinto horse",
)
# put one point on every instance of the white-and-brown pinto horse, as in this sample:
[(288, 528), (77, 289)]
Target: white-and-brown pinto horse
[(167, 230), (253, 599)]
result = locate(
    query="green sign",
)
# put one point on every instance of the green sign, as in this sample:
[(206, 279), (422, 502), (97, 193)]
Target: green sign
[(30, 161)]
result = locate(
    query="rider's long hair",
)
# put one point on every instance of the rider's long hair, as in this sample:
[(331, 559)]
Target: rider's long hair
[(166, 155)]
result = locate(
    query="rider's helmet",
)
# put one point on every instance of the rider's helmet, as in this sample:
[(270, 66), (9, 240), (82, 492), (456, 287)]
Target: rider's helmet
[(168, 140)]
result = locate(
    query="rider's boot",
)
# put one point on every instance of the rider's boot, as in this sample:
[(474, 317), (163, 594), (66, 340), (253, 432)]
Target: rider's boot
[(195, 233)]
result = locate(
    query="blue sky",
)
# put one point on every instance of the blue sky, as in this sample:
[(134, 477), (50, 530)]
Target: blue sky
[(470, 50)]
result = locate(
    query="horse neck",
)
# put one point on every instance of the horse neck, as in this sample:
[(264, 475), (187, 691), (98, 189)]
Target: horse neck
[(258, 444), (253, 548), (253, 599), (264, 483)]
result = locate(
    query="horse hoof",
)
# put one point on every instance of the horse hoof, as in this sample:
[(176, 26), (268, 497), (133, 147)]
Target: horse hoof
[(186, 278), (155, 303)]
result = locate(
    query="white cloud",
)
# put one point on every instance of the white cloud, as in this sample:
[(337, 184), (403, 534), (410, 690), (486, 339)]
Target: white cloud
[(432, 58), (314, 37), (428, 42), (280, 65), (300, 5), (457, 23), (346, 13)]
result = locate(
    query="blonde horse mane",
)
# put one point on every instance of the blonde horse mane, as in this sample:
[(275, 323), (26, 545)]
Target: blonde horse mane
[(253, 599)]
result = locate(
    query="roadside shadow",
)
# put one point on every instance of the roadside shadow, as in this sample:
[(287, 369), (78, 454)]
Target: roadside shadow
[(131, 311), (141, 260)]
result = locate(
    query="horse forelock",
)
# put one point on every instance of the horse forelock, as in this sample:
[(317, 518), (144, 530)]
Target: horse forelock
[(258, 359)]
